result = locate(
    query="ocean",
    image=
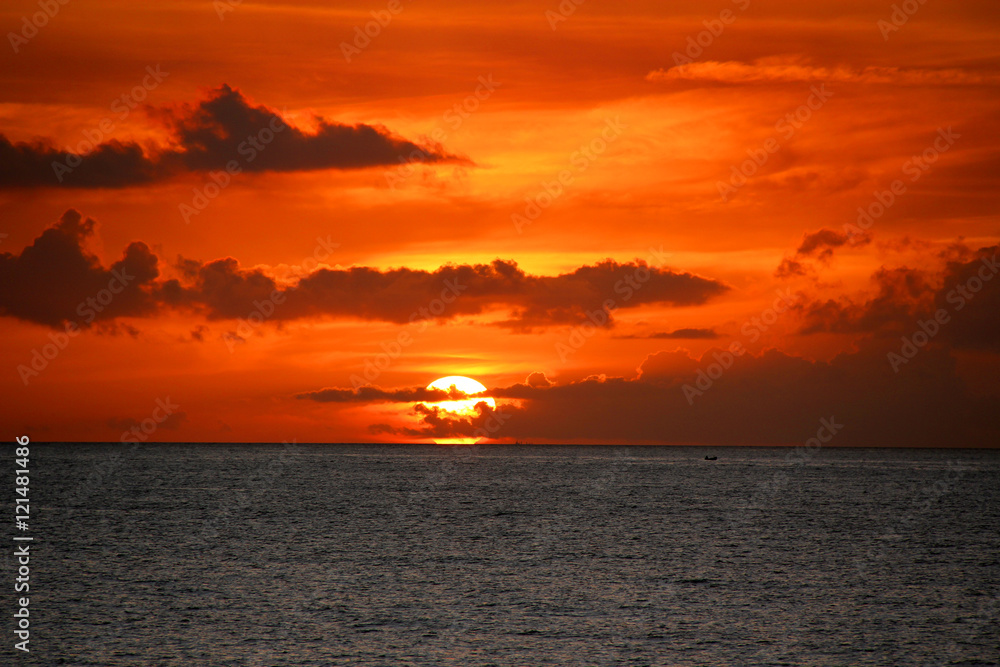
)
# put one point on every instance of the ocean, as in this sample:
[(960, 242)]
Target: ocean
[(393, 555)]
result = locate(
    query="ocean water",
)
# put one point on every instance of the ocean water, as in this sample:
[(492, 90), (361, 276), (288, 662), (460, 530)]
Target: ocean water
[(300, 555)]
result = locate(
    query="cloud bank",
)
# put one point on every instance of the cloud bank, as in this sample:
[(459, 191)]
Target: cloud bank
[(49, 279), (225, 128)]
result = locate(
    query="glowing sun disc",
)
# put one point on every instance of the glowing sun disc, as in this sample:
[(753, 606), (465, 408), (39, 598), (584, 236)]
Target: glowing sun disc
[(460, 408), (465, 407)]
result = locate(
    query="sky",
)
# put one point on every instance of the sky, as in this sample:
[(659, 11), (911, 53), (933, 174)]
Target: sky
[(756, 222)]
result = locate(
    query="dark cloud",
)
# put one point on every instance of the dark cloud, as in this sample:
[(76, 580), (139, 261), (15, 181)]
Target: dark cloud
[(371, 394), (435, 423), (678, 334), (900, 294), (50, 278), (818, 245), (582, 295), (223, 128), (198, 333), (965, 297), (769, 399), (821, 243), (111, 165), (971, 295), (221, 289), (54, 280), (227, 127), (790, 268)]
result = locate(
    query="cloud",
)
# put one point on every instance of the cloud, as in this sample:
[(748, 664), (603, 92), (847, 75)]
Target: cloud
[(768, 399), (966, 291), (224, 128), (372, 394), (678, 334), (538, 380), (818, 245), (198, 333), (900, 294), (114, 164), (822, 242), (971, 294), (222, 290), (52, 277), (218, 129), (573, 298), (795, 70), (55, 280), (435, 423), (790, 268)]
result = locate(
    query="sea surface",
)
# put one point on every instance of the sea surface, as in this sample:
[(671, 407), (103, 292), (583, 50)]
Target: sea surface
[(363, 555)]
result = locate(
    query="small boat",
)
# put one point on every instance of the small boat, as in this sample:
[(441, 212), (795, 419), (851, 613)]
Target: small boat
[(711, 458)]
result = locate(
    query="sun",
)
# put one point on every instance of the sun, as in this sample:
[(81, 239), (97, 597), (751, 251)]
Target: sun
[(466, 407), (460, 408)]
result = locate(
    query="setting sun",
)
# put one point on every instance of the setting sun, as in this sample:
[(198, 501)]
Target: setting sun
[(465, 385), (459, 409)]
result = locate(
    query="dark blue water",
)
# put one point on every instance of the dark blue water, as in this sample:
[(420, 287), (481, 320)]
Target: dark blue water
[(424, 555)]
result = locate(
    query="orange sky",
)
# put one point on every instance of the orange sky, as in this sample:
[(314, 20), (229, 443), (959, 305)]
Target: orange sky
[(636, 116)]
